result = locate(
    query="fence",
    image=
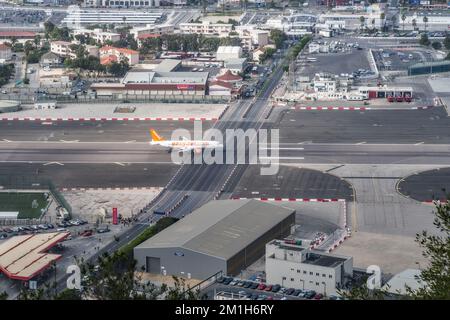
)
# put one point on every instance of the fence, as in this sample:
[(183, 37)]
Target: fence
[(18, 182)]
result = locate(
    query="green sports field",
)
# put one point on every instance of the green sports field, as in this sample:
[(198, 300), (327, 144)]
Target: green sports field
[(21, 202)]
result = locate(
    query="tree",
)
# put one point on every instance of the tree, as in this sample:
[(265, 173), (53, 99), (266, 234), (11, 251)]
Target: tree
[(424, 41), (414, 23), (382, 18), (436, 276), (362, 20), (3, 296), (425, 21), (437, 251), (447, 57), (436, 45), (403, 21), (447, 41), (278, 37)]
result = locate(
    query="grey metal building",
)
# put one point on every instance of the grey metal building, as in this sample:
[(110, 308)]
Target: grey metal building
[(223, 235)]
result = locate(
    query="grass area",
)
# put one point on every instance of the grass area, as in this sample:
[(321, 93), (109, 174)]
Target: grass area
[(21, 202), (147, 234)]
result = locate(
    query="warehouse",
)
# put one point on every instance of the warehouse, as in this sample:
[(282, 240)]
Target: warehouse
[(429, 67), (223, 235)]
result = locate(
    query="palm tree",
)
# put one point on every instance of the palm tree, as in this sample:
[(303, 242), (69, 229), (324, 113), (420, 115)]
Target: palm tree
[(414, 24), (362, 20), (382, 17), (425, 20), (403, 20), (373, 24)]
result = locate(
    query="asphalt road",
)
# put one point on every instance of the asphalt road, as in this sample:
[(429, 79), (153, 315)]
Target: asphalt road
[(374, 126), (292, 182), (428, 185), (86, 175), (87, 131), (47, 153)]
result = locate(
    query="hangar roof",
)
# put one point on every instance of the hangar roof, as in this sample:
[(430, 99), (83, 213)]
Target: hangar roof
[(220, 228)]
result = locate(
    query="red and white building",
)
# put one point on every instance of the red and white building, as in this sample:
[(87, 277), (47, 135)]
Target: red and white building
[(19, 36), (109, 53)]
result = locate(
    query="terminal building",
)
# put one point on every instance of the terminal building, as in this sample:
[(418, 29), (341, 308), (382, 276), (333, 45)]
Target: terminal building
[(223, 235), (296, 267), (77, 18)]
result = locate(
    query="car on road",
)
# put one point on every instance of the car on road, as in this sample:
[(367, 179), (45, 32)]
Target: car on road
[(103, 230)]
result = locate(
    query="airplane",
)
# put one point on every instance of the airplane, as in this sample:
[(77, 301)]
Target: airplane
[(184, 144)]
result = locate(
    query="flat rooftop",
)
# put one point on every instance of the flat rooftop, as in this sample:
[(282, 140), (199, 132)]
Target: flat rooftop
[(221, 228), (323, 260), (23, 257)]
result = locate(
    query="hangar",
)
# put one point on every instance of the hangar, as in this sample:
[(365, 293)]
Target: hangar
[(223, 235)]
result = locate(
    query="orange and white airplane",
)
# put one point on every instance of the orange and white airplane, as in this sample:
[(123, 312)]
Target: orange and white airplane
[(184, 144)]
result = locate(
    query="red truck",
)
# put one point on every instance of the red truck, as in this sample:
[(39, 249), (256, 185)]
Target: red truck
[(390, 98), (399, 99), (408, 98)]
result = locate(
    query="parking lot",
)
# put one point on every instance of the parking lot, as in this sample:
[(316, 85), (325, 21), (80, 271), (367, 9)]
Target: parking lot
[(256, 289), (10, 17)]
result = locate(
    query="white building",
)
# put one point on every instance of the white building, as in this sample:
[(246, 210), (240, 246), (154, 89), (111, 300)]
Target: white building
[(130, 3), (351, 20), (152, 29), (206, 28), (98, 35), (251, 37), (292, 266), (228, 52), (61, 48), (437, 21), (77, 18)]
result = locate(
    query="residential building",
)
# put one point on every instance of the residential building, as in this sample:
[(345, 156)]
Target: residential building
[(5, 52), (61, 48), (206, 28), (152, 29), (293, 266), (50, 59), (251, 37), (108, 53), (228, 52), (257, 54), (98, 35), (229, 77)]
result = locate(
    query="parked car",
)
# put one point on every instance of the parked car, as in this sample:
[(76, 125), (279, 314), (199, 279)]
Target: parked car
[(50, 226), (3, 236), (296, 292), (289, 291), (103, 230), (254, 285), (220, 280), (276, 288), (261, 286), (310, 294), (268, 288), (247, 284), (318, 296), (61, 229), (240, 283), (227, 280), (233, 282)]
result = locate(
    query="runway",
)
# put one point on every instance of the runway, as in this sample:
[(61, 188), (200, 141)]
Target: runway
[(48, 153)]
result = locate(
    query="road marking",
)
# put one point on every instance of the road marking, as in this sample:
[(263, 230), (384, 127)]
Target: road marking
[(362, 142), (120, 164), (7, 140), (283, 158), (419, 143), (49, 163), (47, 123), (281, 148), (131, 141), (69, 141)]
